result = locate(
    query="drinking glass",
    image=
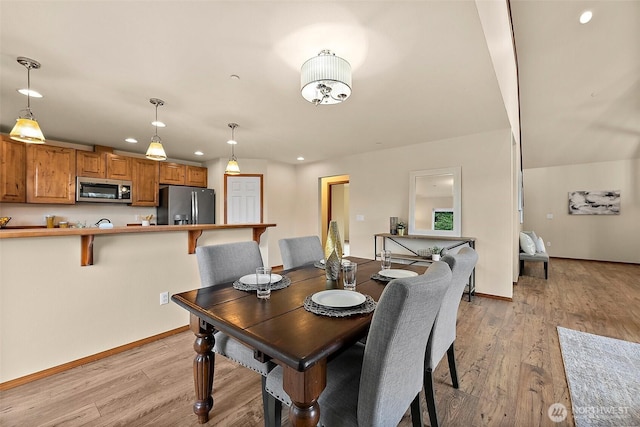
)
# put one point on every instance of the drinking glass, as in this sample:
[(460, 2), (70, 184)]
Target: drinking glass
[(349, 275), (385, 255), (263, 282)]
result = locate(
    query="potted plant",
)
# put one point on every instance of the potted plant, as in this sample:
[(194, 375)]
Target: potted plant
[(435, 253), (400, 228)]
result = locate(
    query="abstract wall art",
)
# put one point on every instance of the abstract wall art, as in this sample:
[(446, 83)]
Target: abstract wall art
[(594, 202)]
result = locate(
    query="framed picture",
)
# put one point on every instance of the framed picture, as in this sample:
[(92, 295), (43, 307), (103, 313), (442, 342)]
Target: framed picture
[(594, 202)]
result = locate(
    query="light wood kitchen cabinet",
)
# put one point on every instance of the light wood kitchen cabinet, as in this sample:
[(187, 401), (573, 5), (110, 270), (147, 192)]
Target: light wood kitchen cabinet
[(196, 176), (12, 170), (172, 173), (145, 182), (51, 174), (91, 164), (179, 174), (119, 167)]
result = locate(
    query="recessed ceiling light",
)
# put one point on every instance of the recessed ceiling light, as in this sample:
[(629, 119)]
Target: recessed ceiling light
[(199, 153), (32, 93), (301, 158), (158, 123), (131, 140), (234, 77), (586, 16)]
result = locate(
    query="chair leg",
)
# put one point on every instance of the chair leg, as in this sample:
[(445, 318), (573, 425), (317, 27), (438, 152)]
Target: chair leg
[(521, 267), (429, 394), (416, 412), (452, 366), (546, 270), (272, 407)]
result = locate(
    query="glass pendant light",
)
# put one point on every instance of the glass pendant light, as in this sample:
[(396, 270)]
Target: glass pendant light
[(27, 128), (155, 150), (232, 167)]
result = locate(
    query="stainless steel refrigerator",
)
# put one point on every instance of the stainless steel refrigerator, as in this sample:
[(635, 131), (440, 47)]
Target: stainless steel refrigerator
[(186, 205)]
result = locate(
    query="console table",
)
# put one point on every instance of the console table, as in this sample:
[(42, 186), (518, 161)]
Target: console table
[(405, 248)]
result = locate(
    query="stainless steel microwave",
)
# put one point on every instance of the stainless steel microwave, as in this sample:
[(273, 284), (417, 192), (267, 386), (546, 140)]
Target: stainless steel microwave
[(103, 190)]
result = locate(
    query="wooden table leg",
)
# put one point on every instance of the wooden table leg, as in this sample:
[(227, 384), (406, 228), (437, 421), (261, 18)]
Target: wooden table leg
[(304, 388), (203, 367)]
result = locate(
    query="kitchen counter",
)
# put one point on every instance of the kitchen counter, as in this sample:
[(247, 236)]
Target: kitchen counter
[(87, 234)]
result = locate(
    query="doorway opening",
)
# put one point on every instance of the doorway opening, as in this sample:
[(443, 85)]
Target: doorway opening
[(335, 207)]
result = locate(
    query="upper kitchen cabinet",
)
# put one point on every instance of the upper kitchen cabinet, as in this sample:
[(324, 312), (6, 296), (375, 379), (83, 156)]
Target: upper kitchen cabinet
[(12, 170), (119, 167), (145, 182), (91, 164), (172, 173), (179, 174), (196, 176), (51, 173)]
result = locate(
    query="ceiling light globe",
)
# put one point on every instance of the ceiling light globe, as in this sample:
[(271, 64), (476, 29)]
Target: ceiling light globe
[(28, 131), (232, 168), (156, 150)]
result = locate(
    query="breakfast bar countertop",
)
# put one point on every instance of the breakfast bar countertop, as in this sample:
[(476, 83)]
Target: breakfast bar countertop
[(17, 232), (87, 234)]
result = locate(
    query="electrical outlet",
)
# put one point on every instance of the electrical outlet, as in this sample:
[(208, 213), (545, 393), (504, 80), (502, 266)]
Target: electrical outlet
[(164, 298), (548, 243)]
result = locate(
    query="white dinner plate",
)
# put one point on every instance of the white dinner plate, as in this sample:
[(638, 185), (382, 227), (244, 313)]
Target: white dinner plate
[(397, 274), (344, 261), (250, 279), (338, 298)]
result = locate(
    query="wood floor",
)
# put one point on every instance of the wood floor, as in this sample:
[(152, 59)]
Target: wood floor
[(508, 359)]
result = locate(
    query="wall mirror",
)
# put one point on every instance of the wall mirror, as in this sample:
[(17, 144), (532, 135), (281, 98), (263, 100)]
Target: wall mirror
[(434, 202)]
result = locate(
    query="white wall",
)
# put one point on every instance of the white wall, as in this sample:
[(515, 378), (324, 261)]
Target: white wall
[(379, 189), (592, 237)]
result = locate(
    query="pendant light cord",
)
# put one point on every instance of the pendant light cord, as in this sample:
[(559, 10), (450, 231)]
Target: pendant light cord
[(29, 88)]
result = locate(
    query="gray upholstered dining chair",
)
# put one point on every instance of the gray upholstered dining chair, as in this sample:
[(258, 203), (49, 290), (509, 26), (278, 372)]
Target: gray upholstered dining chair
[(443, 334), (223, 264), (372, 385), (297, 251)]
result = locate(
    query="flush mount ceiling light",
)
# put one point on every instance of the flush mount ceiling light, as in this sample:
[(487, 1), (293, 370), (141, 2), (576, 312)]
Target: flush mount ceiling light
[(27, 128), (586, 16), (325, 79), (30, 92), (155, 150), (232, 167)]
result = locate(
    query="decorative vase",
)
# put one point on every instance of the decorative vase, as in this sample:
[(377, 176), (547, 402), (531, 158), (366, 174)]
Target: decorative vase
[(435, 257), (332, 254), (393, 225), (400, 231)]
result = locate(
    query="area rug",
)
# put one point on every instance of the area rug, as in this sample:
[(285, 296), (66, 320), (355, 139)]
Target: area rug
[(604, 379)]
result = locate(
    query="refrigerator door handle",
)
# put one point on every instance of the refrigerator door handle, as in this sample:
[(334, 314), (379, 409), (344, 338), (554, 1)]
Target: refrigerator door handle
[(193, 210), (197, 214)]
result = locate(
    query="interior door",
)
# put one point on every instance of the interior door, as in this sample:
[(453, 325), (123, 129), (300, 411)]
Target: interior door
[(243, 199)]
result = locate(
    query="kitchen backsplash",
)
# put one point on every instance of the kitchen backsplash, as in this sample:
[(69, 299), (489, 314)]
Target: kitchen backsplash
[(85, 213)]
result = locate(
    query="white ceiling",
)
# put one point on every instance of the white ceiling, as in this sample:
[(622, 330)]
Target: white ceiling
[(421, 72)]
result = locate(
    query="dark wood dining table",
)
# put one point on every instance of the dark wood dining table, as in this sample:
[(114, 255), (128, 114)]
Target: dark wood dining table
[(279, 329)]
